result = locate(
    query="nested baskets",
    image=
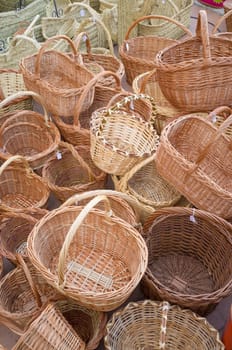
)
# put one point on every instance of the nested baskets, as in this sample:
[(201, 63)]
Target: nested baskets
[(199, 168), (195, 72), (28, 133), (20, 187), (88, 254), (71, 170), (156, 325), (189, 258), (58, 78), (119, 138)]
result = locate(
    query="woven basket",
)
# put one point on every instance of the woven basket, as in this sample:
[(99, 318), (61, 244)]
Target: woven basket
[(101, 267), (23, 291), (15, 228), (109, 15), (178, 10), (154, 325), (199, 168), (189, 259), (20, 187), (59, 79), (71, 171), (198, 68), (110, 128), (144, 184), (28, 133), (1, 266), (226, 17), (227, 7), (138, 53)]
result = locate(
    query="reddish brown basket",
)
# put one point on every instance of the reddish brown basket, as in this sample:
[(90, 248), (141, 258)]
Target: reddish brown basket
[(58, 78), (189, 258), (226, 17)]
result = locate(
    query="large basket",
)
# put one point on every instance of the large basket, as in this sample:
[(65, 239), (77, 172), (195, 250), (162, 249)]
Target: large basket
[(154, 325), (58, 78), (28, 133), (71, 170), (88, 254), (198, 68), (199, 168), (138, 53), (120, 139), (188, 258)]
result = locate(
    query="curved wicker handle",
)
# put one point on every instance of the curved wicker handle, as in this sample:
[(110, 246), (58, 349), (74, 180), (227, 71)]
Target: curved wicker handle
[(84, 37), (224, 111), (46, 44), (21, 159), (130, 97), (168, 19), (145, 80), (220, 20), (72, 231), (19, 94), (18, 37), (202, 32)]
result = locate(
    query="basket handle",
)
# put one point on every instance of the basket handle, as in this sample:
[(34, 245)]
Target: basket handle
[(146, 79), (129, 98), (19, 94), (202, 32), (46, 44), (222, 110), (16, 158), (87, 88), (19, 37), (220, 20), (168, 19), (163, 325), (72, 231)]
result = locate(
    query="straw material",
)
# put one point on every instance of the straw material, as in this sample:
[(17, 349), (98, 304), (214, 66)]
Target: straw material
[(120, 139), (71, 170), (59, 79), (88, 254), (198, 69), (20, 187), (199, 168), (28, 133), (109, 15), (154, 325), (189, 259)]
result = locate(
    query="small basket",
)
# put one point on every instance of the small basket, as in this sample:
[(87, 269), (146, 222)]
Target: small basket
[(188, 259), (89, 255), (57, 78), (72, 171), (120, 139), (20, 187), (155, 325), (28, 133)]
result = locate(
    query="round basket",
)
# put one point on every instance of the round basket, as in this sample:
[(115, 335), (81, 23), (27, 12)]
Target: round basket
[(154, 325), (120, 139), (88, 254), (189, 259), (28, 133), (71, 170)]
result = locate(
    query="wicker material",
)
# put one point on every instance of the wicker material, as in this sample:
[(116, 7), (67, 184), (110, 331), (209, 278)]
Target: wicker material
[(71, 171), (154, 325), (20, 187), (198, 68), (228, 18), (137, 54), (1, 266), (227, 8), (200, 168), (88, 254), (110, 128), (57, 78), (189, 259), (28, 133)]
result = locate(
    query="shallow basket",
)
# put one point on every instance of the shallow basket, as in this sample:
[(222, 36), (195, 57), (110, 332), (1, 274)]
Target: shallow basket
[(154, 325), (89, 255), (188, 258)]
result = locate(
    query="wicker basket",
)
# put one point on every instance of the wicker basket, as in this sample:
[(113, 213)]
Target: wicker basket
[(178, 10), (227, 7), (28, 133), (20, 187), (188, 259), (154, 325), (1, 266), (224, 34), (138, 53), (88, 254), (198, 68), (43, 73), (199, 168), (110, 128), (71, 171)]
